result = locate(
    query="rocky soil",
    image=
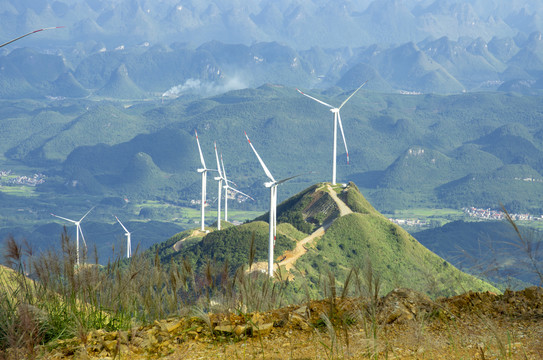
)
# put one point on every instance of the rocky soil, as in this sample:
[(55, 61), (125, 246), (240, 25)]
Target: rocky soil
[(401, 325)]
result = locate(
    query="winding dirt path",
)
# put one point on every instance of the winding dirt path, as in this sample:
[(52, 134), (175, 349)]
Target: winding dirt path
[(343, 208), (290, 256)]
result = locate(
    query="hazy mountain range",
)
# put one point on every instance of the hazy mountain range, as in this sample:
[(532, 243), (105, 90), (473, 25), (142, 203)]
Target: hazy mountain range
[(438, 66), (136, 49), (300, 24)]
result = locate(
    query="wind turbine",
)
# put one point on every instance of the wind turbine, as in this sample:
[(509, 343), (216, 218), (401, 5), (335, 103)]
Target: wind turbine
[(226, 188), (204, 171), (128, 243), (272, 184), (337, 119), (77, 231), (30, 33)]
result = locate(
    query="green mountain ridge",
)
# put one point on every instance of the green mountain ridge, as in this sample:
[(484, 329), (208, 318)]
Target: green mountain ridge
[(464, 134), (359, 237)]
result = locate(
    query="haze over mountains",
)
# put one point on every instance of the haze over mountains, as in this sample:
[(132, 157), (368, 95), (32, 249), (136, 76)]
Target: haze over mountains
[(138, 49), (301, 24)]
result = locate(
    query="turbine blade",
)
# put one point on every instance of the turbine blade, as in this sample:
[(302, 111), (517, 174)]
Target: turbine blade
[(121, 224), (200, 150), (226, 181), (87, 213), (268, 173), (224, 171), (30, 33), (289, 178), (312, 98), (82, 236), (343, 135), (360, 87), (63, 218), (242, 193), (217, 157)]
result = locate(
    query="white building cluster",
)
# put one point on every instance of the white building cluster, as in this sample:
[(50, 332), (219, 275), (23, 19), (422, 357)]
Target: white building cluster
[(34, 180), (490, 214)]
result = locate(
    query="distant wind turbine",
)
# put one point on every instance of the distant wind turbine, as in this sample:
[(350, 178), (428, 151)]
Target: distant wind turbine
[(77, 231), (337, 118), (128, 242), (204, 171), (30, 33), (272, 184), (227, 187)]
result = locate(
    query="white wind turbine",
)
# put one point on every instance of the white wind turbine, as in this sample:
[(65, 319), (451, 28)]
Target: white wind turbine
[(128, 243), (204, 171), (227, 187), (272, 184), (77, 231), (337, 118)]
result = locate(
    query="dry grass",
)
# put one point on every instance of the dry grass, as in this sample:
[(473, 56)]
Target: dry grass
[(353, 321)]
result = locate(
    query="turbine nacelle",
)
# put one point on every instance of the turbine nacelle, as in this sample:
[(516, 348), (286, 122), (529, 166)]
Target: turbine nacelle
[(201, 170), (337, 121), (269, 184)]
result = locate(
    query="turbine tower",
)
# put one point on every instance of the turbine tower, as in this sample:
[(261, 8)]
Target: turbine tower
[(272, 184), (204, 171), (219, 178), (128, 242), (337, 119), (77, 231), (226, 188)]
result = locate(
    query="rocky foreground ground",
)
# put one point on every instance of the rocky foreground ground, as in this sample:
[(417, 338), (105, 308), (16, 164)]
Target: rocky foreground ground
[(402, 325)]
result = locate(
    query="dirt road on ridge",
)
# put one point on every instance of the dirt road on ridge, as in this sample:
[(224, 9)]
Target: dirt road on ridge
[(290, 256)]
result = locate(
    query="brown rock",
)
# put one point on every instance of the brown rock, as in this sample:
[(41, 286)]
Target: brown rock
[(241, 329), (81, 354), (402, 305), (299, 322), (225, 329), (256, 319), (110, 345), (262, 330)]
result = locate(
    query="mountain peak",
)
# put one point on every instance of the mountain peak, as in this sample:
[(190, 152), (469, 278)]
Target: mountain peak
[(329, 228)]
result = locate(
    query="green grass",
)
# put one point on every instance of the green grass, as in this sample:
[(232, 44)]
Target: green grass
[(395, 255), (290, 231), (20, 191)]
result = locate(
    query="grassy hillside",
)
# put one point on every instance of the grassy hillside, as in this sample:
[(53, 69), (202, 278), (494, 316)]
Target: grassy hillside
[(361, 239), (230, 246), (399, 260)]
